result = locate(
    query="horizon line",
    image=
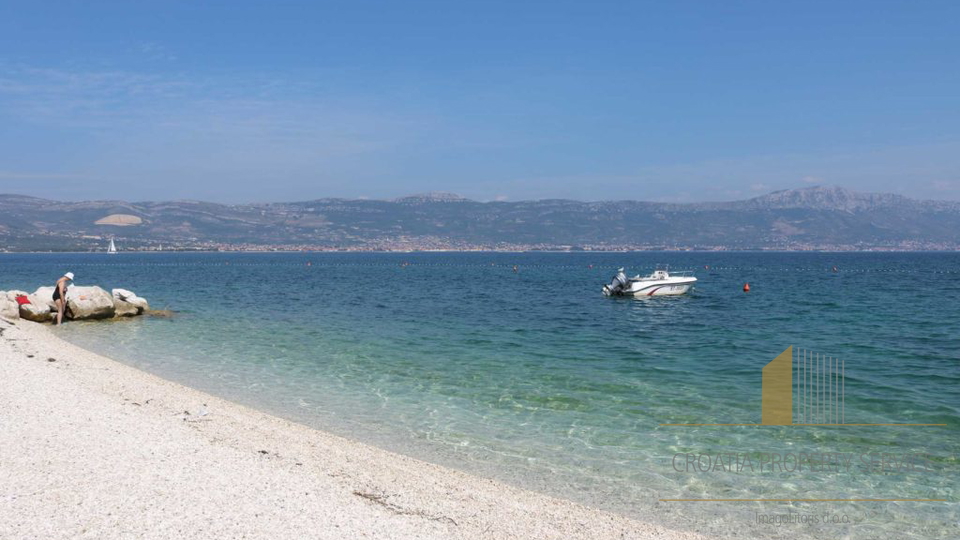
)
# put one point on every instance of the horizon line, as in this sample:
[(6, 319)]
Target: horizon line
[(443, 196)]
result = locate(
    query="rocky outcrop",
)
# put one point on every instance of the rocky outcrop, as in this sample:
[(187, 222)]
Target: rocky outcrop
[(89, 303), (82, 303)]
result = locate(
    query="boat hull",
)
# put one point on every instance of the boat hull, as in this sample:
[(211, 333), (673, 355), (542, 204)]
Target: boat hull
[(644, 288), (661, 290)]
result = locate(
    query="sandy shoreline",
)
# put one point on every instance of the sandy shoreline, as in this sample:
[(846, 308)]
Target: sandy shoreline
[(94, 448)]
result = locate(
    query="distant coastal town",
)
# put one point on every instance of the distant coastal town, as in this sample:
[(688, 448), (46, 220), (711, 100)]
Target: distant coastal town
[(403, 244), (820, 218)]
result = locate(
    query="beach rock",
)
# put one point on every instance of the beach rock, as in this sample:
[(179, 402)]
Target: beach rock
[(31, 313), (130, 297), (8, 308), (36, 312), (12, 295), (89, 303), (82, 303), (122, 308), (123, 294), (45, 295)]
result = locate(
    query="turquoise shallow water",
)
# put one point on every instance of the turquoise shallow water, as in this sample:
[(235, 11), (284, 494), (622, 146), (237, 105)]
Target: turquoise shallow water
[(535, 378)]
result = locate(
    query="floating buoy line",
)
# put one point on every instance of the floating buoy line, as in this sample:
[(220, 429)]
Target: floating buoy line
[(708, 269)]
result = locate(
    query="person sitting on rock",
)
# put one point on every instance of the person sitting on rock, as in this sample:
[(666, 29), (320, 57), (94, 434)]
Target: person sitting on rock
[(60, 295)]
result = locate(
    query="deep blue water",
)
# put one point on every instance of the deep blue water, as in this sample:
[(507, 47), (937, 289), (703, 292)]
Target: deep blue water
[(535, 378)]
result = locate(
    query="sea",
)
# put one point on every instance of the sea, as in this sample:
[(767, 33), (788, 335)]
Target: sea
[(514, 366)]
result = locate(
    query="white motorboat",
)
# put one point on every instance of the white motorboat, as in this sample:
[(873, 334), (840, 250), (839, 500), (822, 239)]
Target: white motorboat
[(660, 283)]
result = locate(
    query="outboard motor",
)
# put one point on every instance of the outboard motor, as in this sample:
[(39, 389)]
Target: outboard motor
[(617, 286)]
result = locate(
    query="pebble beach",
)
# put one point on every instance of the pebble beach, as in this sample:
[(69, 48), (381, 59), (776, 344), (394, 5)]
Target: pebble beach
[(91, 448)]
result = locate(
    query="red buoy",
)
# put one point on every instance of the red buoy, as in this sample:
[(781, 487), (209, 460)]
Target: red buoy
[(746, 287)]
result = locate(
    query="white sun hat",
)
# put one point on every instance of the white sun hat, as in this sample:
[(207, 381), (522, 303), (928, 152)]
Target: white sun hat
[(69, 275)]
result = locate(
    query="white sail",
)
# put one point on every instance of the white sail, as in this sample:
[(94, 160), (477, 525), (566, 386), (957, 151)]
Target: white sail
[(113, 248)]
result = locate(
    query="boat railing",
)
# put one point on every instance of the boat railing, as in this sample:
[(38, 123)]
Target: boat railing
[(671, 273)]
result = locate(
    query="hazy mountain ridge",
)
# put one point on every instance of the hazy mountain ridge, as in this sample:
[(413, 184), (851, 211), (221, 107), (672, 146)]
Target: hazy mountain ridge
[(791, 219)]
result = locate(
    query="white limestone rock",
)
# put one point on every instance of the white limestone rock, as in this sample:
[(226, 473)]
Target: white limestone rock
[(128, 304), (8, 308), (45, 295), (89, 303), (36, 312)]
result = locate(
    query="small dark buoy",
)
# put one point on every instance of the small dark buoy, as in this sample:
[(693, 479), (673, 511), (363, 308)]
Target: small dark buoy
[(515, 269), (746, 287), (835, 269)]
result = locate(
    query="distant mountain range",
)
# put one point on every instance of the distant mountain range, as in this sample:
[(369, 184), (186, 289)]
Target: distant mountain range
[(810, 218)]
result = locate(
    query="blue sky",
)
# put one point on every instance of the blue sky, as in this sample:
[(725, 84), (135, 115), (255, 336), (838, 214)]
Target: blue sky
[(674, 101)]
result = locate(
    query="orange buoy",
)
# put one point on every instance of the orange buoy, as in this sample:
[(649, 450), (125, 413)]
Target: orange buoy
[(746, 287)]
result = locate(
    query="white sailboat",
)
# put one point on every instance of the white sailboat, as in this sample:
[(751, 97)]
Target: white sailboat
[(113, 248)]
